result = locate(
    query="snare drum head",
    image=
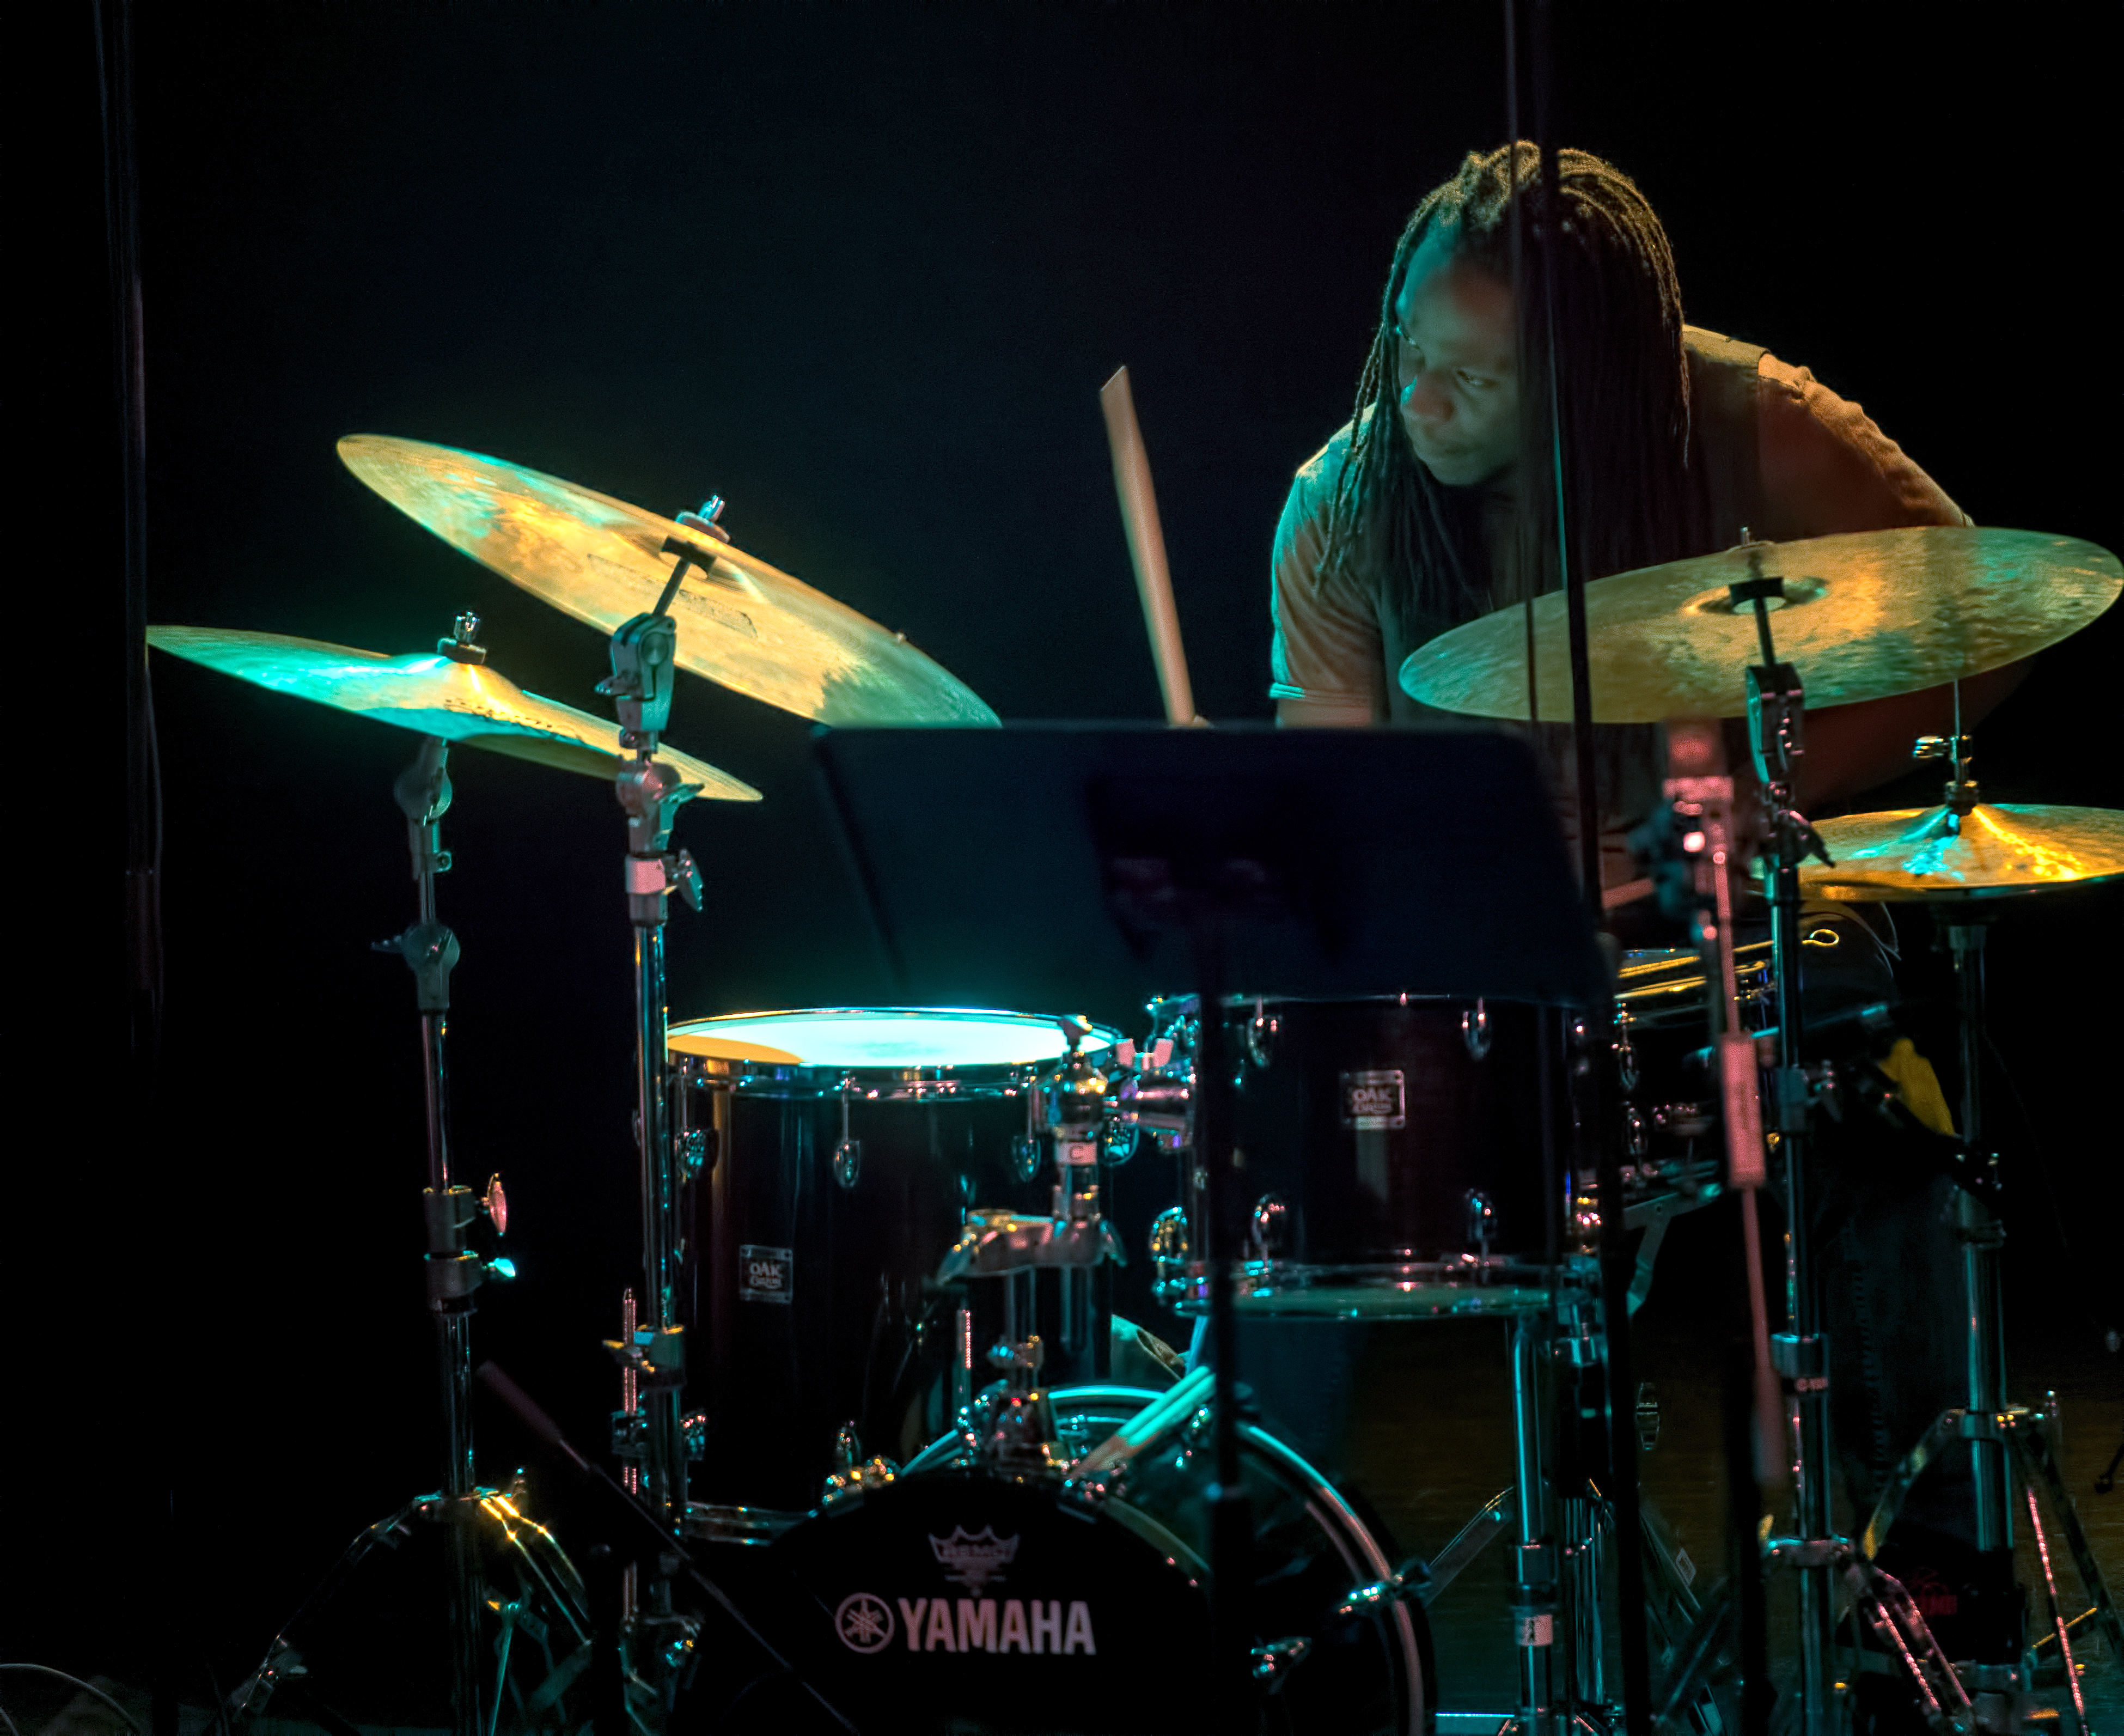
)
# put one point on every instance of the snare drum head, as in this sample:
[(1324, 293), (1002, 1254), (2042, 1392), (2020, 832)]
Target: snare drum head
[(900, 1039)]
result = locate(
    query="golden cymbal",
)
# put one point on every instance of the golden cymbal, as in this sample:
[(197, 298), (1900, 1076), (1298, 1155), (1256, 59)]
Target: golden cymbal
[(1864, 616), (433, 695), (742, 624), (1996, 850)]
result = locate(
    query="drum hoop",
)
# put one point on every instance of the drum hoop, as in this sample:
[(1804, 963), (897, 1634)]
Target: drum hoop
[(767, 1072), (1497, 1287)]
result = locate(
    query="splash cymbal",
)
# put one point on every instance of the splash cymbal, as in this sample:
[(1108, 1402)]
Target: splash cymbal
[(1864, 616), (434, 695), (742, 624), (1996, 850)]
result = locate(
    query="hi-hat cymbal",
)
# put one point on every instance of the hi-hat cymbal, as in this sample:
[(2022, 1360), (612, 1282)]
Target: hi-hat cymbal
[(1864, 616), (1996, 850), (743, 624), (433, 695)]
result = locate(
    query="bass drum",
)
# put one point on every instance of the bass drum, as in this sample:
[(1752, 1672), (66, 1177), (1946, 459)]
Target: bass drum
[(955, 1599)]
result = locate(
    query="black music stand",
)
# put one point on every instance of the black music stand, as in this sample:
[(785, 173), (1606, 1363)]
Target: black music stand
[(1077, 866), (1046, 864)]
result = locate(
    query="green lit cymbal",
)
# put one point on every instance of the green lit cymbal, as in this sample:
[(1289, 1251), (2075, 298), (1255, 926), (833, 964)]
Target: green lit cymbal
[(1864, 616), (433, 695), (742, 624), (1995, 851)]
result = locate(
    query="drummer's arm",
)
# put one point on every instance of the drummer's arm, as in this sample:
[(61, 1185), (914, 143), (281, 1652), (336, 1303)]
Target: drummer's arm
[(1827, 468), (1326, 661)]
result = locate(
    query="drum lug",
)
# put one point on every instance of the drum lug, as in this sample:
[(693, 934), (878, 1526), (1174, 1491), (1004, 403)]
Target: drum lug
[(1269, 1227), (853, 1474), (1626, 1056), (1169, 1247), (1024, 1156), (692, 1151), (1274, 1663), (1475, 1030), (1482, 1220), (847, 1154), (1014, 1423), (1262, 1030)]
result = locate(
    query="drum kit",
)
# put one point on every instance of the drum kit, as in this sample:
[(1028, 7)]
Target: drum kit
[(888, 1457)]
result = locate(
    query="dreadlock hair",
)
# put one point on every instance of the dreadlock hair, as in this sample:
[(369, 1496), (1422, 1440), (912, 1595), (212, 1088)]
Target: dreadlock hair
[(1623, 392)]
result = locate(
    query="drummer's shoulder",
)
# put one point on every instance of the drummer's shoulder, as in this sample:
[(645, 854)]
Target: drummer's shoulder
[(1826, 465), (1316, 479), (1311, 501)]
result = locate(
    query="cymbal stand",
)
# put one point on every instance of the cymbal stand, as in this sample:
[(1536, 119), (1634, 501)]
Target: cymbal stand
[(644, 668), (453, 1270), (1776, 715), (2003, 1439)]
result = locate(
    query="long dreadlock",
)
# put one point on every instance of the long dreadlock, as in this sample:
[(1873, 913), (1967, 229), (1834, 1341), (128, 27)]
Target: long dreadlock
[(1623, 392)]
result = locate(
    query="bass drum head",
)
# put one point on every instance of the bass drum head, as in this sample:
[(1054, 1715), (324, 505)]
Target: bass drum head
[(955, 1600)]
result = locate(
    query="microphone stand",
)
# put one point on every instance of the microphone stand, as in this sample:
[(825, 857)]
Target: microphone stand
[(1598, 1128)]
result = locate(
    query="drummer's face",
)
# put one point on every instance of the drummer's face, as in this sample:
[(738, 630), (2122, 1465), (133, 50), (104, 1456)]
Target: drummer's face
[(1459, 388)]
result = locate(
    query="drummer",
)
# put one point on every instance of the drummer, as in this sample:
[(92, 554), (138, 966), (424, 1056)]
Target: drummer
[(1435, 504)]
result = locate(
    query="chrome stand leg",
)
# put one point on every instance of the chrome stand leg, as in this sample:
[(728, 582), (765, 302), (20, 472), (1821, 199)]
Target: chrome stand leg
[(1981, 1237), (2057, 1616), (1587, 1521), (1534, 1571), (2032, 1449)]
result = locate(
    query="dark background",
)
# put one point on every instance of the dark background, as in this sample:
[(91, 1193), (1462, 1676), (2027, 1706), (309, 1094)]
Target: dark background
[(862, 270)]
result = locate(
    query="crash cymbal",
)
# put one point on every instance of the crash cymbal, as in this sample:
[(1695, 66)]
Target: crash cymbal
[(433, 695), (1996, 850), (1864, 616), (743, 624)]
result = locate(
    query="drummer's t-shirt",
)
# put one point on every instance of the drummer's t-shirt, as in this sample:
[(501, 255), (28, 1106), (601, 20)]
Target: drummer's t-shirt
[(1771, 449)]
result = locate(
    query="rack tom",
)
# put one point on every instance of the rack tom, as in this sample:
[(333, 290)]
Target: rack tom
[(1392, 1148), (843, 1148)]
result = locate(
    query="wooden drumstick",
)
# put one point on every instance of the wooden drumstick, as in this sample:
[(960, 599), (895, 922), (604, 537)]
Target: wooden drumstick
[(1146, 543)]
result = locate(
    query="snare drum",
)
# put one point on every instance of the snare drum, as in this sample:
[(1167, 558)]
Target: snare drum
[(1392, 1148), (846, 1145)]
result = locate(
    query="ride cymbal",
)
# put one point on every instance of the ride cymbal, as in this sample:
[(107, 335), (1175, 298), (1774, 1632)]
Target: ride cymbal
[(742, 624), (1996, 850), (432, 695), (1864, 616)]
